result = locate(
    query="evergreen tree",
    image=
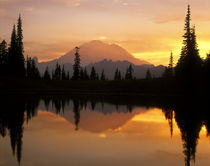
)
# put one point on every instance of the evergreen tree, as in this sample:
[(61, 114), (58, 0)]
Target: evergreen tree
[(97, 76), (76, 66), (20, 43), (93, 75), (53, 74), (129, 73), (117, 75), (86, 76), (82, 74), (12, 53), (188, 67), (148, 75), (171, 63), (169, 71), (3, 53), (57, 72), (32, 72), (63, 73), (68, 76), (47, 74), (102, 76), (16, 57), (35, 70)]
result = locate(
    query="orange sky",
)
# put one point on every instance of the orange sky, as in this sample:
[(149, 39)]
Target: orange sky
[(147, 29), (144, 139)]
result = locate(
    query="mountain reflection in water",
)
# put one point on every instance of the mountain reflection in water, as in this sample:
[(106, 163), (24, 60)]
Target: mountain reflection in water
[(99, 115)]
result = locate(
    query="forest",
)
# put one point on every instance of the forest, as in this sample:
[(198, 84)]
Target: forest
[(191, 74)]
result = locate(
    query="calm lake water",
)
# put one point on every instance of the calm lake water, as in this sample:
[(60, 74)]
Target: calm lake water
[(56, 131)]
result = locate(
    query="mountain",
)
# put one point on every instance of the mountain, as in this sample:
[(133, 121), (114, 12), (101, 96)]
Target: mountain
[(104, 57), (96, 51)]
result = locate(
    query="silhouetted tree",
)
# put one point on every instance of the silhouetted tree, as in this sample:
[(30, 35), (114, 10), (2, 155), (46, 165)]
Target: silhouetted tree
[(129, 73), (188, 68), (169, 116), (117, 75), (13, 52), (20, 49), (82, 74), (32, 72), (76, 66), (63, 74), (93, 75), (86, 76), (68, 76), (16, 57), (102, 76), (148, 75), (169, 71), (97, 76), (47, 74), (57, 73)]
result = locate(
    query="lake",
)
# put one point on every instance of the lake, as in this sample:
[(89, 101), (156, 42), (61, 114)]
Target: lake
[(104, 131)]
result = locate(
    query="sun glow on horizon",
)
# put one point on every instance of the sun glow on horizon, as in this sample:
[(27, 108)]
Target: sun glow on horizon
[(147, 32)]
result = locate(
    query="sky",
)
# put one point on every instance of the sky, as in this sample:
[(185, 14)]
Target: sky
[(148, 29)]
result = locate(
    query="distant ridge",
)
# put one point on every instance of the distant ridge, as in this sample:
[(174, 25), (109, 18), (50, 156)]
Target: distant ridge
[(109, 68)]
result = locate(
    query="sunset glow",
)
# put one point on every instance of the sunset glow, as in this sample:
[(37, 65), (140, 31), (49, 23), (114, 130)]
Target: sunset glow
[(147, 29)]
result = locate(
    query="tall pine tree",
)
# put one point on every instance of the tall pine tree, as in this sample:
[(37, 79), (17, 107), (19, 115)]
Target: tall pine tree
[(103, 75), (169, 71), (13, 53), (47, 74), (129, 73), (20, 49), (63, 74), (93, 74), (188, 68), (76, 66), (148, 75), (16, 57)]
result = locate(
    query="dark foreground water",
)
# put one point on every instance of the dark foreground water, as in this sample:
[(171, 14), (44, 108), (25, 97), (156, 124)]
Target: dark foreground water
[(54, 131)]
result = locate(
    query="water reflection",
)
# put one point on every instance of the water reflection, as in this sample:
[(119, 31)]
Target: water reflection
[(190, 116)]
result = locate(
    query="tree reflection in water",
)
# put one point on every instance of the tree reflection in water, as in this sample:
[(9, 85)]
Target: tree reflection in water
[(190, 115)]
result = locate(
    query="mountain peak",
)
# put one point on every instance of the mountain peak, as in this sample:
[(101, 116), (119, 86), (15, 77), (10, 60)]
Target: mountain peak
[(96, 50)]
